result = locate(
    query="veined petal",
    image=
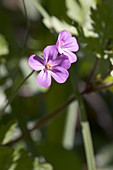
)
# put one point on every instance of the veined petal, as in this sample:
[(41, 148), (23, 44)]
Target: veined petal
[(36, 63), (44, 78), (71, 44), (72, 57), (60, 50), (60, 74), (50, 53), (64, 35), (66, 62), (62, 61)]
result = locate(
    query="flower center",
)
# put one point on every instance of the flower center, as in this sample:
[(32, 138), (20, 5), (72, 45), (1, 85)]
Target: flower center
[(61, 43), (48, 66)]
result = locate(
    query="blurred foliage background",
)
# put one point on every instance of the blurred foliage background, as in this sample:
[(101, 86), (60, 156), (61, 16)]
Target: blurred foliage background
[(26, 28)]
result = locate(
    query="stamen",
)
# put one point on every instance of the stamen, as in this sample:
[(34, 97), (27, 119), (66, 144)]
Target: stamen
[(49, 66)]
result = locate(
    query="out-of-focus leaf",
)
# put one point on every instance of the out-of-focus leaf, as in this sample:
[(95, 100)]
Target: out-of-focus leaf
[(102, 17), (20, 114), (5, 158), (104, 157), (111, 73), (53, 22), (9, 134), (111, 60), (4, 49), (24, 162), (60, 158), (101, 45), (59, 25), (41, 166), (4, 128), (45, 167), (3, 80), (103, 25), (79, 11), (109, 79)]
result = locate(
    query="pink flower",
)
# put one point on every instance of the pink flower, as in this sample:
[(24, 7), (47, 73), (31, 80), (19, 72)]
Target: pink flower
[(66, 44), (51, 65)]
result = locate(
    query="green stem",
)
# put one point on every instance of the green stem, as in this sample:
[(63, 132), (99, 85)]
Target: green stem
[(86, 134), (84, 123), (81, 106), (15, 92), (88, 145)]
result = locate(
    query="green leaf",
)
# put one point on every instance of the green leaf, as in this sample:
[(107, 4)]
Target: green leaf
[(5, 158), (103, 24), (109, 79), (104, 156), (59, 25), (52, 22), (41, 166), (24, 162), (45, 167), (79, 11), (4, 129), (60, 158), (9, 134), (4, 50)]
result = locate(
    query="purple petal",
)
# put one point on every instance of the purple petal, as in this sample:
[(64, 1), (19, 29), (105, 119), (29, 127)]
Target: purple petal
[(36, 63), (72, 57), (64, 35), (66, 62), (66, 42), (50, 53), (62, 61), (71, 44), (44, 78), (60, 50), (59, 74)]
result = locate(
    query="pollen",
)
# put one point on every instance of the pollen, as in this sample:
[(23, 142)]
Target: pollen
[(49, 66)]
